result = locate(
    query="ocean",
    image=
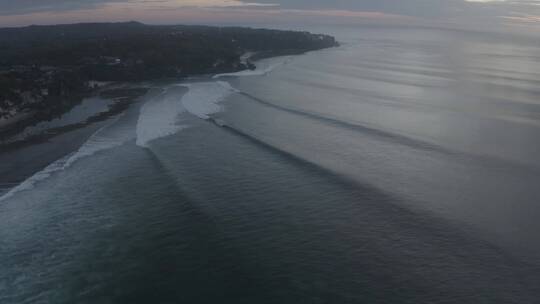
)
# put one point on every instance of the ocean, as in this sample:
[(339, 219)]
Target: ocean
[(400, 167)]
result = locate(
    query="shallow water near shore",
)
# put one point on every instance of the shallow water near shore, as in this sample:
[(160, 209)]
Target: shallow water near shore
[(402, 167)]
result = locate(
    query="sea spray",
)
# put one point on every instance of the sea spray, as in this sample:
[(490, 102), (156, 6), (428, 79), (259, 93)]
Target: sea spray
[(263, 68), (203, 98), (160, 117)]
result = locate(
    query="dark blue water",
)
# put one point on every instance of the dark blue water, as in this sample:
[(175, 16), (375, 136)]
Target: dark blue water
[(399, 168)]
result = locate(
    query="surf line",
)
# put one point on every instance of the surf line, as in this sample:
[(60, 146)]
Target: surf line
[(161, 116), (95, 143)]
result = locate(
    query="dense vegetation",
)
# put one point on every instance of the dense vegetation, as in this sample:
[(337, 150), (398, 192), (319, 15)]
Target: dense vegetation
[(134, 51), (45, 69)]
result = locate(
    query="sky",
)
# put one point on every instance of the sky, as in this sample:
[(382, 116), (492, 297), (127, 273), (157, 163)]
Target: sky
[(472, 13)]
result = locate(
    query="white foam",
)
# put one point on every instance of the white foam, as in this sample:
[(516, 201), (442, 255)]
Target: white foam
[(228, 86), (29, 184), (96, 143), (159, 117), (102, 140), (203, 98), (263, 68)]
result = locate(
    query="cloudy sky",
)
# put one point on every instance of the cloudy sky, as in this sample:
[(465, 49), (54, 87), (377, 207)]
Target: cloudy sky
[(473, 12)]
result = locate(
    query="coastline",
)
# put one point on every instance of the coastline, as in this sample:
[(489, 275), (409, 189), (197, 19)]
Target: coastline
[(16, 124), (22, 159), (120, 100), (18, 164)]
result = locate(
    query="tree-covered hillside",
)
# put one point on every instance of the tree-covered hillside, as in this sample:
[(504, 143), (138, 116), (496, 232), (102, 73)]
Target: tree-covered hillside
[(45, 70), (134, 51)]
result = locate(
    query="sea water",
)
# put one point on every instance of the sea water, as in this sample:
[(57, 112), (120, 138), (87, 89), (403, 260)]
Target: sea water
[(401, 167)]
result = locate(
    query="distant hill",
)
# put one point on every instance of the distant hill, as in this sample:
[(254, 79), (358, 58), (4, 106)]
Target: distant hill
[(45, 70), (147, 51)]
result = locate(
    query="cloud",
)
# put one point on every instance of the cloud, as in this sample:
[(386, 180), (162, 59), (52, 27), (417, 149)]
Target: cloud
[(480, 11), (7, 6), (200, 3), (422, 8), (14, 7), (430, 8)]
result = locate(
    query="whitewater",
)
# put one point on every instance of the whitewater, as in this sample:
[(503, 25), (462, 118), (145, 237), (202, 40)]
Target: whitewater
[(399, 168), (159, 117), (101, 140)]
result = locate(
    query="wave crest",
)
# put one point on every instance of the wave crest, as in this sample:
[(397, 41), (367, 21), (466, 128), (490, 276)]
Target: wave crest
[(96, 143), (159, 117)]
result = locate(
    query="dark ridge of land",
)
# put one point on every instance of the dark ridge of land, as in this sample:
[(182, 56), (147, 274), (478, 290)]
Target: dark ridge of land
[(46, 70)]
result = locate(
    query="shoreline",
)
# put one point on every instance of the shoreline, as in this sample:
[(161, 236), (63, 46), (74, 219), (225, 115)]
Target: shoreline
[(16, 124), (122, 99), (22, 159), (23, 162)]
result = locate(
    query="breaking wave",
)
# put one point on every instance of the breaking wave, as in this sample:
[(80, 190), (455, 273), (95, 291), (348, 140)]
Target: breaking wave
[(99, 141), (263, 68), (203, 99), (160, 117)]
